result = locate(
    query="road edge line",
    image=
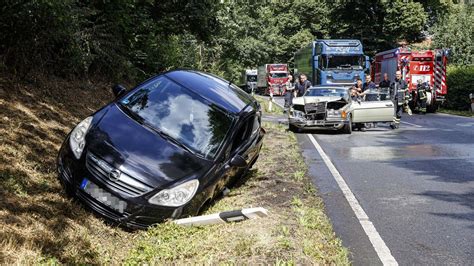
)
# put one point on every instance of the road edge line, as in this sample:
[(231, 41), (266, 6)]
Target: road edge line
[(383, 252)]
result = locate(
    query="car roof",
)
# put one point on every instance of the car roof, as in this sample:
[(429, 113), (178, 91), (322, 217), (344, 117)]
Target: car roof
[(215, 89)]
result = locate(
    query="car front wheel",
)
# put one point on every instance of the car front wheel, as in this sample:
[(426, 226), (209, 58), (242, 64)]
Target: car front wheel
[(347, 128)]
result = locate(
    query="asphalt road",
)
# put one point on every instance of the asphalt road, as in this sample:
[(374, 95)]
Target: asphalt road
[(416, 185)]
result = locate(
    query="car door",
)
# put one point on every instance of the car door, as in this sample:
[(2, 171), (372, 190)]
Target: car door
[(375, 108), (243, 145)]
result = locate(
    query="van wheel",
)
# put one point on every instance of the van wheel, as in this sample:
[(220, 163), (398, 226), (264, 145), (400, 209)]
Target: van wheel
[(347, 129)]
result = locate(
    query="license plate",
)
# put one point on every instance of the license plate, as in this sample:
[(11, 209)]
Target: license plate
[(103, 196)]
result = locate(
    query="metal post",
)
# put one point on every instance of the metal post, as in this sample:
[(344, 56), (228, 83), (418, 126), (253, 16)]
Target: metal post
[(471, 96)]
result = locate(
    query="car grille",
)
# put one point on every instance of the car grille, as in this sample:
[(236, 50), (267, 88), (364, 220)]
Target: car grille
[(316, 116), (318, 108), (125, 184), (298, 107)]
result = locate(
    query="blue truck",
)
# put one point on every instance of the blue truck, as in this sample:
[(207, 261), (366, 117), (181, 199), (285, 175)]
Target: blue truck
[(331, 62)]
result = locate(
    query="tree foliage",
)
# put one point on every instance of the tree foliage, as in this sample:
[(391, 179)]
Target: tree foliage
[(380, 25), (133, 39), (455, 30)]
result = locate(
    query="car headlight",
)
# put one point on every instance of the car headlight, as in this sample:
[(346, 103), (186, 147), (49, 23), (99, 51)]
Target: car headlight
[(77, 140), (334, 113), (298, 114), (176, 196)]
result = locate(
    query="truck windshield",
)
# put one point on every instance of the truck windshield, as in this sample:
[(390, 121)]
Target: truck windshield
[(343, 62), (252, 78), (279, 75)]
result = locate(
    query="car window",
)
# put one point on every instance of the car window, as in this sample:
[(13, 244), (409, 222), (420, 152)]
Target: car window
[(181, 114), (377, 95), (245, 133)]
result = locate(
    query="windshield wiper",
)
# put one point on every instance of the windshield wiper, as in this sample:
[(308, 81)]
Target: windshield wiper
[(170, 138), (346, 66)]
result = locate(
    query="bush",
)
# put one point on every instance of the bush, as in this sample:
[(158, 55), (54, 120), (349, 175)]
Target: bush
[(460, 85)]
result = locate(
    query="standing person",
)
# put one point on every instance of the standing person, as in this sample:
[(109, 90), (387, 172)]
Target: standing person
[(358, 87), (302, 86), (290, 86), (369, 84), (421, 89), (385, 83), (398, 89), (358, 95)]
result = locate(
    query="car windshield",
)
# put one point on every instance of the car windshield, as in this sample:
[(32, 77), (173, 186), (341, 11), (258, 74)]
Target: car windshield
[(279, 75), (179, 115), (329, 92), (343, 62), (377, 95)]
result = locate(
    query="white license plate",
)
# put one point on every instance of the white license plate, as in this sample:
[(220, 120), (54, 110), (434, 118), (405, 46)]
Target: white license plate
[(103, 196)]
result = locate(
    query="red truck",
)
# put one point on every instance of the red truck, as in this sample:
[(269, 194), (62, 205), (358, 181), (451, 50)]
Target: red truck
[(272, 78), (428, 66)]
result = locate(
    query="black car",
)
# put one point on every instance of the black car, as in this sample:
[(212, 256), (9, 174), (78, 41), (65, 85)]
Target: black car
[(162, 150)]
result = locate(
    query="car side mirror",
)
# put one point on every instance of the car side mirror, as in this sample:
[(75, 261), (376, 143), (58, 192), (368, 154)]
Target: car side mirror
[(118, 90), (238, 161)]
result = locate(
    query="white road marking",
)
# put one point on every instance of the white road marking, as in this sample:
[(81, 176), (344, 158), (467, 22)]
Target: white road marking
[(379, 245), (411, 124)]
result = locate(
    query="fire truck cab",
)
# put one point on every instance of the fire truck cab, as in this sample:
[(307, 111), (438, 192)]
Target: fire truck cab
[(428, 66)]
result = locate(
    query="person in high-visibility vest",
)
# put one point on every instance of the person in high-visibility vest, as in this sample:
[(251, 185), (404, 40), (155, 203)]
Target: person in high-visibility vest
[(421, 89), (398, 90)]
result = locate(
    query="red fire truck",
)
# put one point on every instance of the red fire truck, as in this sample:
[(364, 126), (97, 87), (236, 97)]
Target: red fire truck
[(272, 78), (428, 66)]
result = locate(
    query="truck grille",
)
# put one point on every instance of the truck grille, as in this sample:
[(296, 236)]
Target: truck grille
[(125, 184), (318, 108)]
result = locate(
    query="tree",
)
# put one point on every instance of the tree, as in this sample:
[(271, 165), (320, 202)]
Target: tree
[(455, 31), (380, 25)]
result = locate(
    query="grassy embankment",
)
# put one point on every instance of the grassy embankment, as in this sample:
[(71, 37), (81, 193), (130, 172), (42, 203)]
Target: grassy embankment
[(39, 224), (456, 112)]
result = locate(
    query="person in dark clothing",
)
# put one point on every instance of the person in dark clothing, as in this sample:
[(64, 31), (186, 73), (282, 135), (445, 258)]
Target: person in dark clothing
[(385, 83), (358, 96), (398, 90), (421, 96), (369, 84), (302, 85)]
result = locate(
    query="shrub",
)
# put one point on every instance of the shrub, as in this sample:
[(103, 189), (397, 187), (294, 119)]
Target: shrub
[(460, 85)]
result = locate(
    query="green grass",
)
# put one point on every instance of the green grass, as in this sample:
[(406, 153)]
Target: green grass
[(297, 230), (40, 225), (456, 112), (277, 110)]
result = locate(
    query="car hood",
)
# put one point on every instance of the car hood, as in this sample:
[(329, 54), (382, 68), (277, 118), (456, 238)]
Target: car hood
[(314, 99), (141, 152)]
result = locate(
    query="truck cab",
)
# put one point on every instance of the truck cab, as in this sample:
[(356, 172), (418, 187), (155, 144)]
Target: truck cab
[(332, 62)]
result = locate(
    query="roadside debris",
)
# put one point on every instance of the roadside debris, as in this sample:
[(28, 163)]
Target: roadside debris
[(224, 217)]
